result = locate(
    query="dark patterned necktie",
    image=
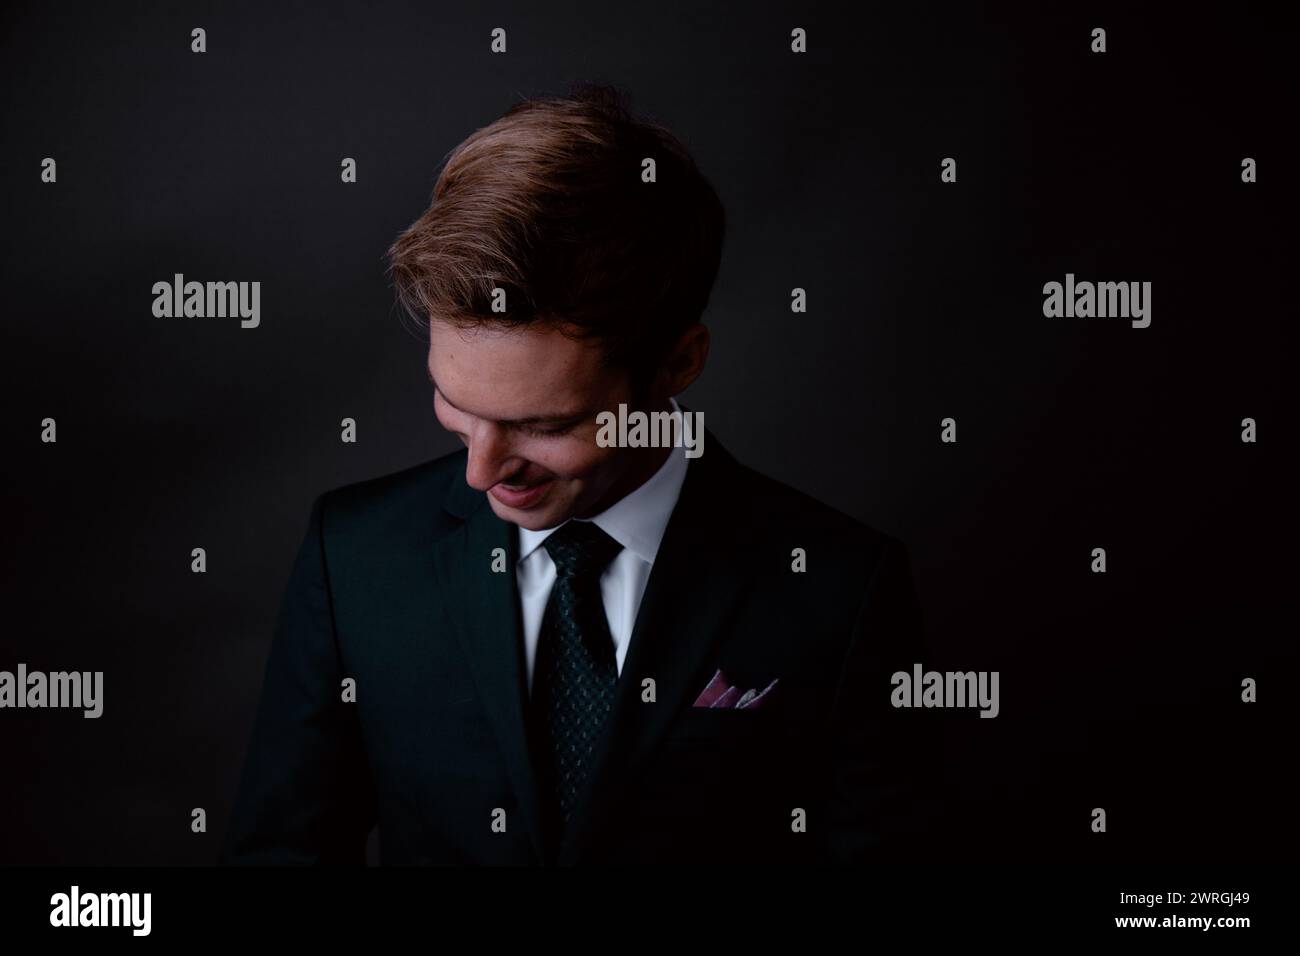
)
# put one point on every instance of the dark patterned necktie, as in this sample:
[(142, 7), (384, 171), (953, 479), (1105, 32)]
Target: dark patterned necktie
[(575, 670)]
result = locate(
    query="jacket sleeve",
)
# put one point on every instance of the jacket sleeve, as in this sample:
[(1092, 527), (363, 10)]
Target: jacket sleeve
[(306, 794), (873, 809)]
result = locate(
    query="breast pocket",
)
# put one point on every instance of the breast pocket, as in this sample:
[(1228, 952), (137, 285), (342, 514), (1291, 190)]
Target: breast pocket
[(720, 725), (714, 761)]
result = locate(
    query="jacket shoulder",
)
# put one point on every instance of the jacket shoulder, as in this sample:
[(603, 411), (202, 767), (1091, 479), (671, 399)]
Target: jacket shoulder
[(787, 508), (780, 513)]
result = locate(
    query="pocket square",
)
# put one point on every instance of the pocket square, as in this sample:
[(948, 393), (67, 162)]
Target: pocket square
[(722, 694)]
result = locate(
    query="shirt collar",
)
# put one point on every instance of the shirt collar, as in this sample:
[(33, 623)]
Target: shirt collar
[(639, 519)]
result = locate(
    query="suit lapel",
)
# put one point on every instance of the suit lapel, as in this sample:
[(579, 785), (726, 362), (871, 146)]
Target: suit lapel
[(484, 610), (696, 581)]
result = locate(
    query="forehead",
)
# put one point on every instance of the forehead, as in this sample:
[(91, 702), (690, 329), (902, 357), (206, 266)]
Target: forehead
[(505, 373)]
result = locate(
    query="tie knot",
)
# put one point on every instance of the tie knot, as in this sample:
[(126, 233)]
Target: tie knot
[(580, 548)]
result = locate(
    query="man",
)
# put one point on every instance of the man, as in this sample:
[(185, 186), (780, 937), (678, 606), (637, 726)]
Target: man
[(550, 648)]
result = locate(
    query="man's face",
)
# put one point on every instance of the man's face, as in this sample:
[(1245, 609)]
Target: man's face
[(524, 402)]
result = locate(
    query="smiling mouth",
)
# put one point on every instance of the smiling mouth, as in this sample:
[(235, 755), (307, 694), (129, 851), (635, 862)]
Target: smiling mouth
[(519, 496)]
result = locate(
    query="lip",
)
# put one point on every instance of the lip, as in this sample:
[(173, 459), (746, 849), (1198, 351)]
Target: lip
[(524, 498)]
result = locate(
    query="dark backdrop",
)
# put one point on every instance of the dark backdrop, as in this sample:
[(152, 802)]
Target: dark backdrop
[(1119, 690)]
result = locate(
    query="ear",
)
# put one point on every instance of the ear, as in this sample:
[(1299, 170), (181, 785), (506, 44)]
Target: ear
[(685, 361)]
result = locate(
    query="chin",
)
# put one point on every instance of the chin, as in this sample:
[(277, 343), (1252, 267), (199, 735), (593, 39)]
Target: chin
[(530, 519), (531, 522)]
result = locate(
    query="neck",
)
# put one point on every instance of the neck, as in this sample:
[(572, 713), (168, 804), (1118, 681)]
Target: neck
[(643, 463)]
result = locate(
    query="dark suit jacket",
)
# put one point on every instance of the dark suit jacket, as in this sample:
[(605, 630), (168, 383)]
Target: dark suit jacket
[(394, 587)]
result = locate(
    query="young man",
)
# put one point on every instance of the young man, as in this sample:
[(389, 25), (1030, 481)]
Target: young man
[(566, 648)]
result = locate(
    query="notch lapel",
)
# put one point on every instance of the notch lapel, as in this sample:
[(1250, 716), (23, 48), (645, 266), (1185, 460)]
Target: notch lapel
[(483, 607)]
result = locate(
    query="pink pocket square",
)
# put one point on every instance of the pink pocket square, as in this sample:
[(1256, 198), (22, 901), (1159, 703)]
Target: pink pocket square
[(721, 693)]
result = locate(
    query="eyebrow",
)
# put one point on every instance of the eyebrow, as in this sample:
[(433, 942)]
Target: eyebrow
[(554, 419)]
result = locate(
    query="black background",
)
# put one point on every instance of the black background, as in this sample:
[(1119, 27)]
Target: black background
[(1119, 690)]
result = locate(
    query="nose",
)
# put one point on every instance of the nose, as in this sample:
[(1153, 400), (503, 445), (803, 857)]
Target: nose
[(490, 457)]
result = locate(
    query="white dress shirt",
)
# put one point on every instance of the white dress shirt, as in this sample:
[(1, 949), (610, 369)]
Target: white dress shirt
[(637, 522)]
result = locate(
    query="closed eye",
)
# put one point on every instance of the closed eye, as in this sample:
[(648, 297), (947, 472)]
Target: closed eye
[(549, 431)]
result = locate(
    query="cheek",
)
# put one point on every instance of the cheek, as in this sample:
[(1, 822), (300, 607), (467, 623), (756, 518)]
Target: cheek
[(571, 458)]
